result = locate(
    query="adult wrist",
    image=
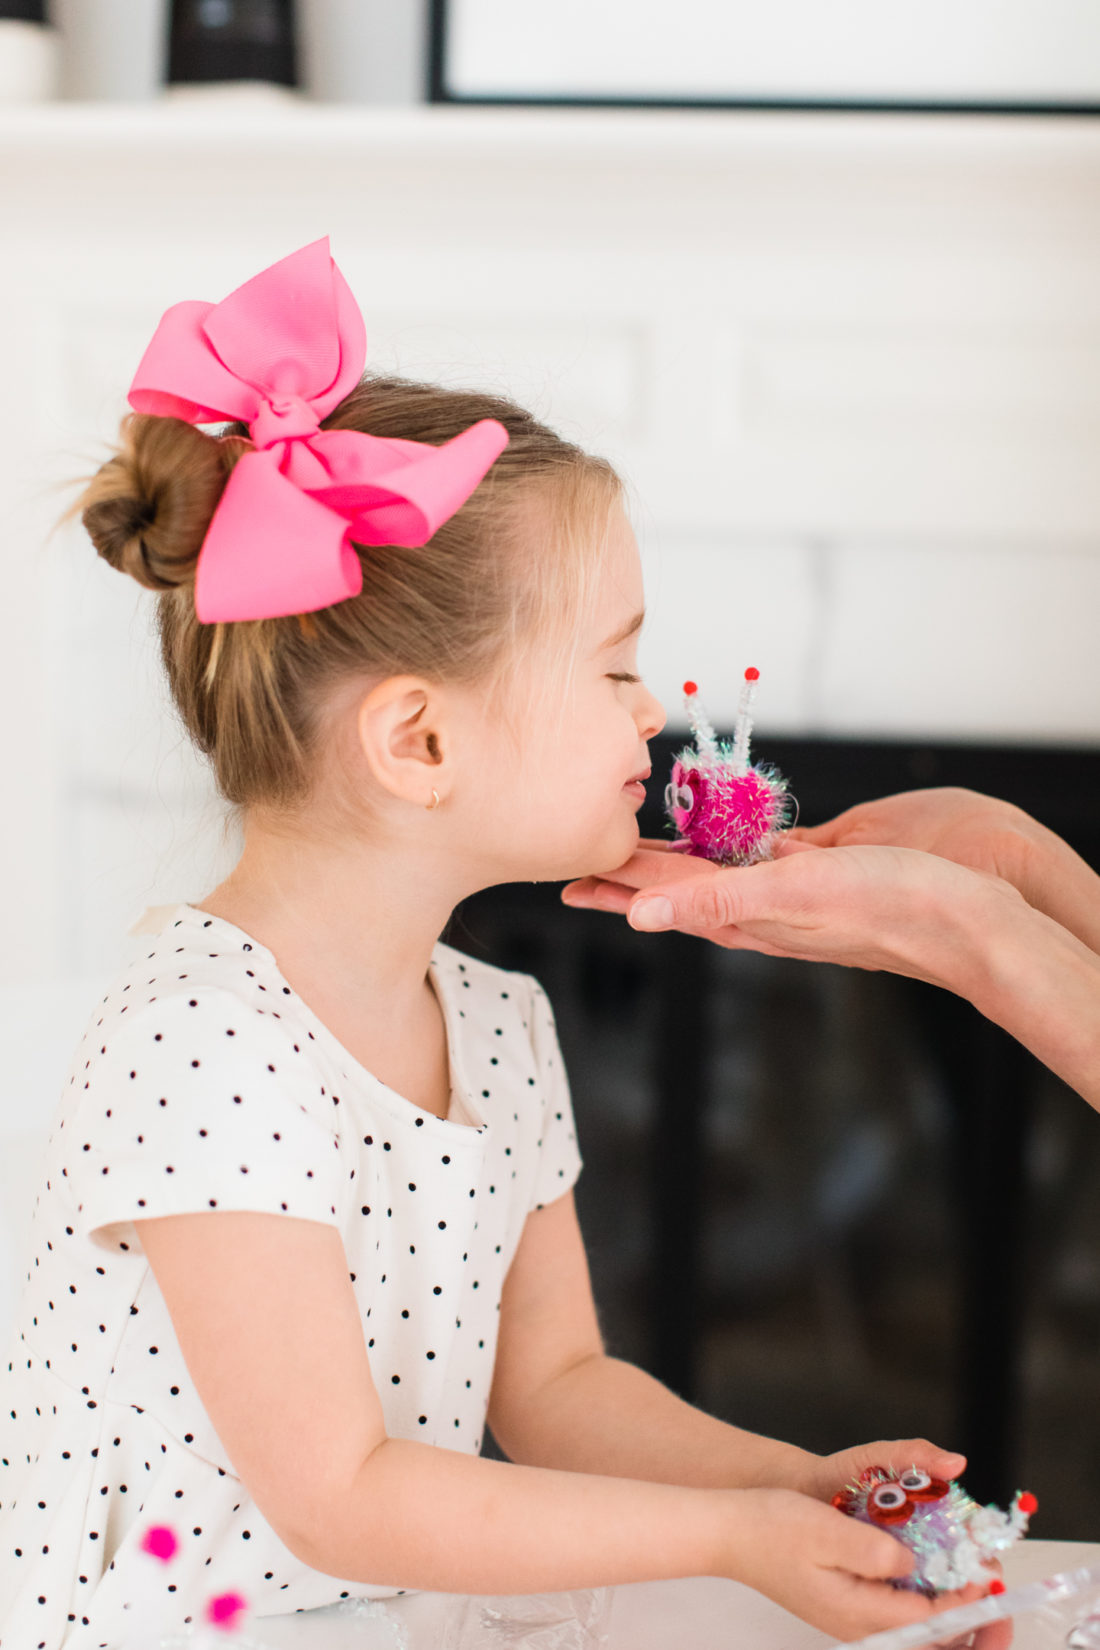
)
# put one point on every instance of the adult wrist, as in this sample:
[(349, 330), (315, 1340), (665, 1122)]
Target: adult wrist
[(939, 930)]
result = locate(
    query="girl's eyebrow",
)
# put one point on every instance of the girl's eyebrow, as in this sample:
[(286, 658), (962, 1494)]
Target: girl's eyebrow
[(635, 624)]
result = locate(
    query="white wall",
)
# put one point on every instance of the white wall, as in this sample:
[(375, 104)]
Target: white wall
[(849, 363)]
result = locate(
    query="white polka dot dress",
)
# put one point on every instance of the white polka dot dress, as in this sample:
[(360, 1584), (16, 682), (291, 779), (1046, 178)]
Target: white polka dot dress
[(204, 1082)]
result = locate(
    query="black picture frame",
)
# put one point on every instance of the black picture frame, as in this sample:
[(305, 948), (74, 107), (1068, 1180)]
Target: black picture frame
[(440, 91)]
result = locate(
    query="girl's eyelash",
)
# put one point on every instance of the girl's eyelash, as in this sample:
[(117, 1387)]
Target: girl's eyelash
[(623, 676)]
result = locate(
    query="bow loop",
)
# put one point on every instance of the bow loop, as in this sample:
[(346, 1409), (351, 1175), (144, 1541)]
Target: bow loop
[(280, 354)]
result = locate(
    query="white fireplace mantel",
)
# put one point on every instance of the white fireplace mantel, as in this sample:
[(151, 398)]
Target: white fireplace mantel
[(849, 363)]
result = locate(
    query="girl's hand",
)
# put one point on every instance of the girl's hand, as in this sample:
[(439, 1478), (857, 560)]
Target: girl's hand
[(826, 1474), (830, 1570)]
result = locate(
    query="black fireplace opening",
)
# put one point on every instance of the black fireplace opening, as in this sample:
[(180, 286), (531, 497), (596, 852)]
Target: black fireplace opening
[(826, 1204)]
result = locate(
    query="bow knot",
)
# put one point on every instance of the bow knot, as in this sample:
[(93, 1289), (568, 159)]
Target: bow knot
[(283, 418), (280, 354)]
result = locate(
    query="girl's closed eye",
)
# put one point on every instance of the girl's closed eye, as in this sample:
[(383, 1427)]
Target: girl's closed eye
[(622, 676)]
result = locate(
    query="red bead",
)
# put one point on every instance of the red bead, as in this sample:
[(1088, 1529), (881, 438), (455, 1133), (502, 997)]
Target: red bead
[(1027, 1502), (996, 1586), (690, 688), (752, 674)]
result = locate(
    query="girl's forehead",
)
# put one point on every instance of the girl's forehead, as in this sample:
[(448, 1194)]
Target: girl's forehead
[(620, 584)]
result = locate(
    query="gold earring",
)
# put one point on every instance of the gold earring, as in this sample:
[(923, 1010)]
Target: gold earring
[(434, 803)]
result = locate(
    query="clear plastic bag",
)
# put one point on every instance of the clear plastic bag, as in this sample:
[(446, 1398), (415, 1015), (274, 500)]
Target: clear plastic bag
[(535, 1621), (1059, 1613)]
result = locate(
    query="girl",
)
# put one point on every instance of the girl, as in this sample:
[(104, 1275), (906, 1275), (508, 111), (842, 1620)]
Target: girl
[(307, 1217)]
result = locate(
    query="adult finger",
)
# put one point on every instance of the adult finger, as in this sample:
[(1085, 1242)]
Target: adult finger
[(788, 845), (641, 870), (594, 894)]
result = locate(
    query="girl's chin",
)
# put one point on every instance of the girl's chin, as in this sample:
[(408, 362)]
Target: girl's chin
[(612, 853), (612, 848)]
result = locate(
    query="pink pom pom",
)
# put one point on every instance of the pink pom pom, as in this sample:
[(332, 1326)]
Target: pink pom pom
[(726, 816), (225, 1611), (724, 808), (160, 1542)]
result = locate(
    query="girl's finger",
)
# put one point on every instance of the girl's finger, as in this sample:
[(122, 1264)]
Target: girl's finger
[(900, 1453), (863, 1551)]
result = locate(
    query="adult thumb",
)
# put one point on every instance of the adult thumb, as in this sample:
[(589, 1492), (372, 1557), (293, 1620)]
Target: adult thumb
[(701, 903)]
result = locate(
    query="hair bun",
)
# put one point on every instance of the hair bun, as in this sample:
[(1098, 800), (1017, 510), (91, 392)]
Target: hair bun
[(148, 508)]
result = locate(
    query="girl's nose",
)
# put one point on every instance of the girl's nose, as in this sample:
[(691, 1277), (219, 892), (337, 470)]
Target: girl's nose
[(651, 715)]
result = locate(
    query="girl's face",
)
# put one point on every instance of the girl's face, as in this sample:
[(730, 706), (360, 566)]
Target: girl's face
[(560, 798)]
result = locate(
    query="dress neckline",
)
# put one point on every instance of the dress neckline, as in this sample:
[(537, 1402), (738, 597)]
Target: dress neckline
[(436, 977)]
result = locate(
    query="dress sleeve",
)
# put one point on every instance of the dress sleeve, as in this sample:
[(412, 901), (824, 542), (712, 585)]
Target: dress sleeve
[(200, 1103), (559, 1158)]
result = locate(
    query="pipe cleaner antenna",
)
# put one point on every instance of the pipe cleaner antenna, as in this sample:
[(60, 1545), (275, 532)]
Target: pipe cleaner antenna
[(742, 730), (706, 740)]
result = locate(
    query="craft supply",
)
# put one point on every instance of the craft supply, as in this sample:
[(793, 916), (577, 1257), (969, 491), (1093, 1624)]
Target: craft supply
[(953, 1538), (724, 807)]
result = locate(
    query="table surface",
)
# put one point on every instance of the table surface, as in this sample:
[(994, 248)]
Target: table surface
[(700, 1612)]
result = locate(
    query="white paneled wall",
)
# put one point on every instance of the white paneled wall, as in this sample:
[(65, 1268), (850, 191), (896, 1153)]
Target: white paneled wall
[(850, 366)]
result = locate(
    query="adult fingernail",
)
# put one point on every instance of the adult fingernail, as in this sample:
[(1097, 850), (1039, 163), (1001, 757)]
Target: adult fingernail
[(651, 914)]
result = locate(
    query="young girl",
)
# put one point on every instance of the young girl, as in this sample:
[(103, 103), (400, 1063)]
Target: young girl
[(307, 1217)]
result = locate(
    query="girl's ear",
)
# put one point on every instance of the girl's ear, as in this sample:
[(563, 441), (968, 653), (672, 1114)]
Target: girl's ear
[(404, 735)]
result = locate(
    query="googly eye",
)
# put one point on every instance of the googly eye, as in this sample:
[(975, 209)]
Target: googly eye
[(679, 796), (921, 1486), (889, 1504), (914, 1479), (932, 1490), (888, 1497)]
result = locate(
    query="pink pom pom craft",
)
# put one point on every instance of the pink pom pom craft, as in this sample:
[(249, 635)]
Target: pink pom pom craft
[(723, 807), (952, 1537)]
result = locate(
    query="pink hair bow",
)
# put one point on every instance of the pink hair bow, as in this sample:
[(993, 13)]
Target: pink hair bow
[(279, 354)]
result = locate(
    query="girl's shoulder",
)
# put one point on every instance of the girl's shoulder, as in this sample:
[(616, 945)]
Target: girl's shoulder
[(195, 989)]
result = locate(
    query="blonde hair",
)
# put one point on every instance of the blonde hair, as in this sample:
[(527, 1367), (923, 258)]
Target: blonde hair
[(510, 572)]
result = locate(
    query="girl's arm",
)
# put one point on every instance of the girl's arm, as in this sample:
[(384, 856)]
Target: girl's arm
[(558, 1399), (270, 1329)]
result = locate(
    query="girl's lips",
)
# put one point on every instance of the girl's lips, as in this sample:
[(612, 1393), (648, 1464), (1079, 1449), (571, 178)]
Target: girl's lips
[(636, 789)]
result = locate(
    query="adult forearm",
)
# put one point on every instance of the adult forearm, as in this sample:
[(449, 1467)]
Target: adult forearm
[(1058, 882), (1042, 984), (433, 1519), (607, 1416)]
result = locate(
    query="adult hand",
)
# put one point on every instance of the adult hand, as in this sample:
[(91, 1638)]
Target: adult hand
[(1032, 968), (978, 831), (983, 833), (871, 907)]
